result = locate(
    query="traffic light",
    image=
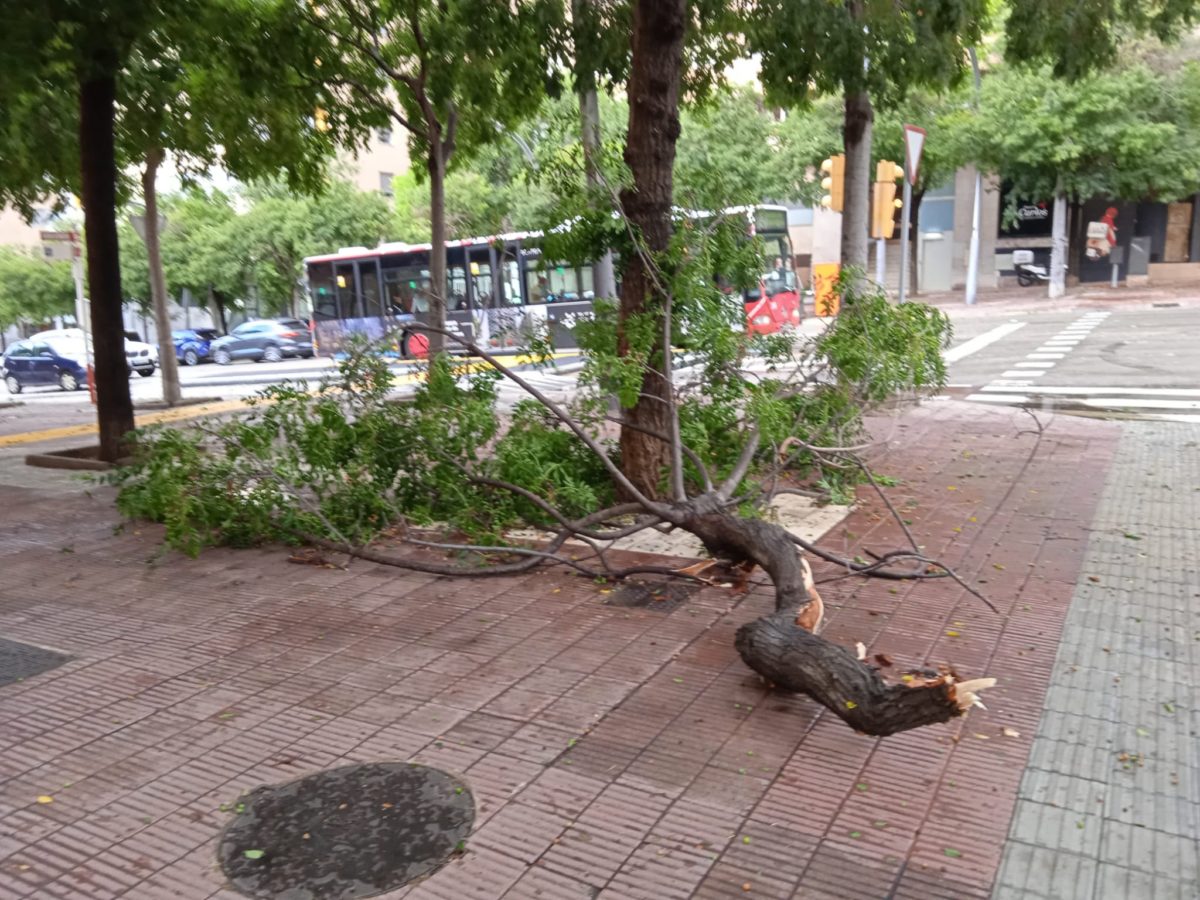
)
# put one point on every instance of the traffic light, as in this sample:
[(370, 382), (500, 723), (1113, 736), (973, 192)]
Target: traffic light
[(321, 119), (884, 203), (834, 182)]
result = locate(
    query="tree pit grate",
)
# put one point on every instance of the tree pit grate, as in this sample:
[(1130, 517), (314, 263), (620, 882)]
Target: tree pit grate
[(20, 661), (354, 831), (660, 595)]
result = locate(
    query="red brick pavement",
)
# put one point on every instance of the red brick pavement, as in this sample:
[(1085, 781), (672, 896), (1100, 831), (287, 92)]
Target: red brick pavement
[(622, 753)]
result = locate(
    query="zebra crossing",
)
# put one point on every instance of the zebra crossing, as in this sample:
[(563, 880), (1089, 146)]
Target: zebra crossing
[(1023, 384)]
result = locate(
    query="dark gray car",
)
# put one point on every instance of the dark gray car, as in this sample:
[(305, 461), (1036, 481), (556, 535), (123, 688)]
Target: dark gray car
[(268, 340)]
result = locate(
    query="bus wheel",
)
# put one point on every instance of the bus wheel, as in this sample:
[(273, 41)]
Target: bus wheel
[(415, 346)]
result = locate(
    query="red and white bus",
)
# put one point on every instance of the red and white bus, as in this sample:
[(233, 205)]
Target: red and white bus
[(500, 289)]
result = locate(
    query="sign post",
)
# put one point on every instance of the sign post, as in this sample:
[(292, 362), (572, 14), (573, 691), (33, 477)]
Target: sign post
[(914, 143)]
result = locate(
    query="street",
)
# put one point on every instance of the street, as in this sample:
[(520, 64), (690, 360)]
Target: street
[(1106, 361), (1120, 360)]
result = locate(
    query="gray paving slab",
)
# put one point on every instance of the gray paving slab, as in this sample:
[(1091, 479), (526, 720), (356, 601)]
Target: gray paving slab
[(1109, 805)]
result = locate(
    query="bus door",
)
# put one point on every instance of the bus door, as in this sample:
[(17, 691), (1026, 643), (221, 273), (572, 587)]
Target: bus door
[(500, 314), (567, 292), (459, 295)]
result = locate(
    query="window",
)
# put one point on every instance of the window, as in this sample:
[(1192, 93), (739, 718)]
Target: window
[(368, 277), (20, 350), (42, 350), (384, 135), (320, 287), (553, 283), (385, 184)]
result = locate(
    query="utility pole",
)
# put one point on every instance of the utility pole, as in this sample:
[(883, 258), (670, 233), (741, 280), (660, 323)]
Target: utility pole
[(976, 213)]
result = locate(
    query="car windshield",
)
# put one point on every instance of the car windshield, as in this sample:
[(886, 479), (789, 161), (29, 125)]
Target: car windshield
[(207, 334)]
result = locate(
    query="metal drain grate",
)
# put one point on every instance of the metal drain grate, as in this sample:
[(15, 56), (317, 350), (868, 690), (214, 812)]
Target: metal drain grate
[(355, 831), (21, 661)]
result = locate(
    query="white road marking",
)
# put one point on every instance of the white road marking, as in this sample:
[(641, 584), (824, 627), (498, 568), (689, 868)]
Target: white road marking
[(1127, 403), (1034, 365), (1045, 355), (1022, 373), (999, 398), (1133, 392), (975, 344)]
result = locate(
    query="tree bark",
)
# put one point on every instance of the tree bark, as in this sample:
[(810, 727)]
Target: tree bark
[(1077, 240), (167, 362), (216, 308), (114, 407), (603, 279), (856, 202), (437, 252), (653, 89), (1058, 252)]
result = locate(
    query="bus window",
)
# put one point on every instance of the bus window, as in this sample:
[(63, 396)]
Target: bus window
[(777, 273), (510, 281), (553, 283), (320, 287), (368, 276)]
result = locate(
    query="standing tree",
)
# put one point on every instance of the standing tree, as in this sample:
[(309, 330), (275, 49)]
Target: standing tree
[(75, 51), (453, 73), (869, 52), (204, 88), (1126, 134), (33, 289)]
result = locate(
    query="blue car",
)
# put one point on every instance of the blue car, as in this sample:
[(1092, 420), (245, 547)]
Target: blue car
[(192, 344), (37, 362)]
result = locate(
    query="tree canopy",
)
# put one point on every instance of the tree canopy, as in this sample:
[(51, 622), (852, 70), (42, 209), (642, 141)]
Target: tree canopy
[(33, 289), (1126, 133)]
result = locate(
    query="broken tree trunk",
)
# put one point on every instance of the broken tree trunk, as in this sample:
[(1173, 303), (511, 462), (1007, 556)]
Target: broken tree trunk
[(793, 658)]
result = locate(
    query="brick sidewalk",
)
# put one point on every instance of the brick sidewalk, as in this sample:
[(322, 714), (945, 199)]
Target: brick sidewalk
[(1109, 807), (612, 752)]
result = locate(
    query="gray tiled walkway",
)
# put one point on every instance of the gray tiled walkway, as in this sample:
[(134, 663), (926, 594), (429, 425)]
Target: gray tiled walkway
[(1109, 808)]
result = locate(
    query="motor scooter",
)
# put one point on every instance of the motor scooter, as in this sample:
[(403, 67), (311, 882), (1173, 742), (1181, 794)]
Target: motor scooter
[(1027, 272)]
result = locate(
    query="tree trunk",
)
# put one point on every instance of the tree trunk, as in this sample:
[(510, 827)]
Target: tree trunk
[(1058, 252), (1077, 240), (114, 407), (167, 363), (653, 89), (216, 308), (603, 280), (914, 241), (856, 203), (437, 252)]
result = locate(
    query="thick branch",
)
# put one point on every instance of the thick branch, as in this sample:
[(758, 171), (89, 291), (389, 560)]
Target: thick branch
[(797, 660)]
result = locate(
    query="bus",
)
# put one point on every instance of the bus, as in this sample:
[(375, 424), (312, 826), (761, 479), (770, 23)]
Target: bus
[(500, 290)]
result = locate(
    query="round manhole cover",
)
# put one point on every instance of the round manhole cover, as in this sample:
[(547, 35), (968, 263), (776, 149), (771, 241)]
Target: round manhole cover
[(350, 832)]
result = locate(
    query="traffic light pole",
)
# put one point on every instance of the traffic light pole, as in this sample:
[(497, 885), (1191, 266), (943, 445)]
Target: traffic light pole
[(880, 261), (904, 239)]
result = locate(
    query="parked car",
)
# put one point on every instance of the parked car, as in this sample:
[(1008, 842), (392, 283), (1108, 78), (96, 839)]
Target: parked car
[(266, 340), (43, 362), (192, 345), (140, 357)]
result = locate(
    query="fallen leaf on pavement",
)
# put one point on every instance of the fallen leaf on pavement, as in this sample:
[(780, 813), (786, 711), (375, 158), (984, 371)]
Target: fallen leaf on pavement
[(1011, 732), (883, 659), (861, 649)]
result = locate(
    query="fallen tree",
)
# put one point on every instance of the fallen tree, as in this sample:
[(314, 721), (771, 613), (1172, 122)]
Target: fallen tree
[(447, 477)]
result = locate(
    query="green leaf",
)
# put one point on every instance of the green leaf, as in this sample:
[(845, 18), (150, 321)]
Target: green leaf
[(951, 852), (253, 854)]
